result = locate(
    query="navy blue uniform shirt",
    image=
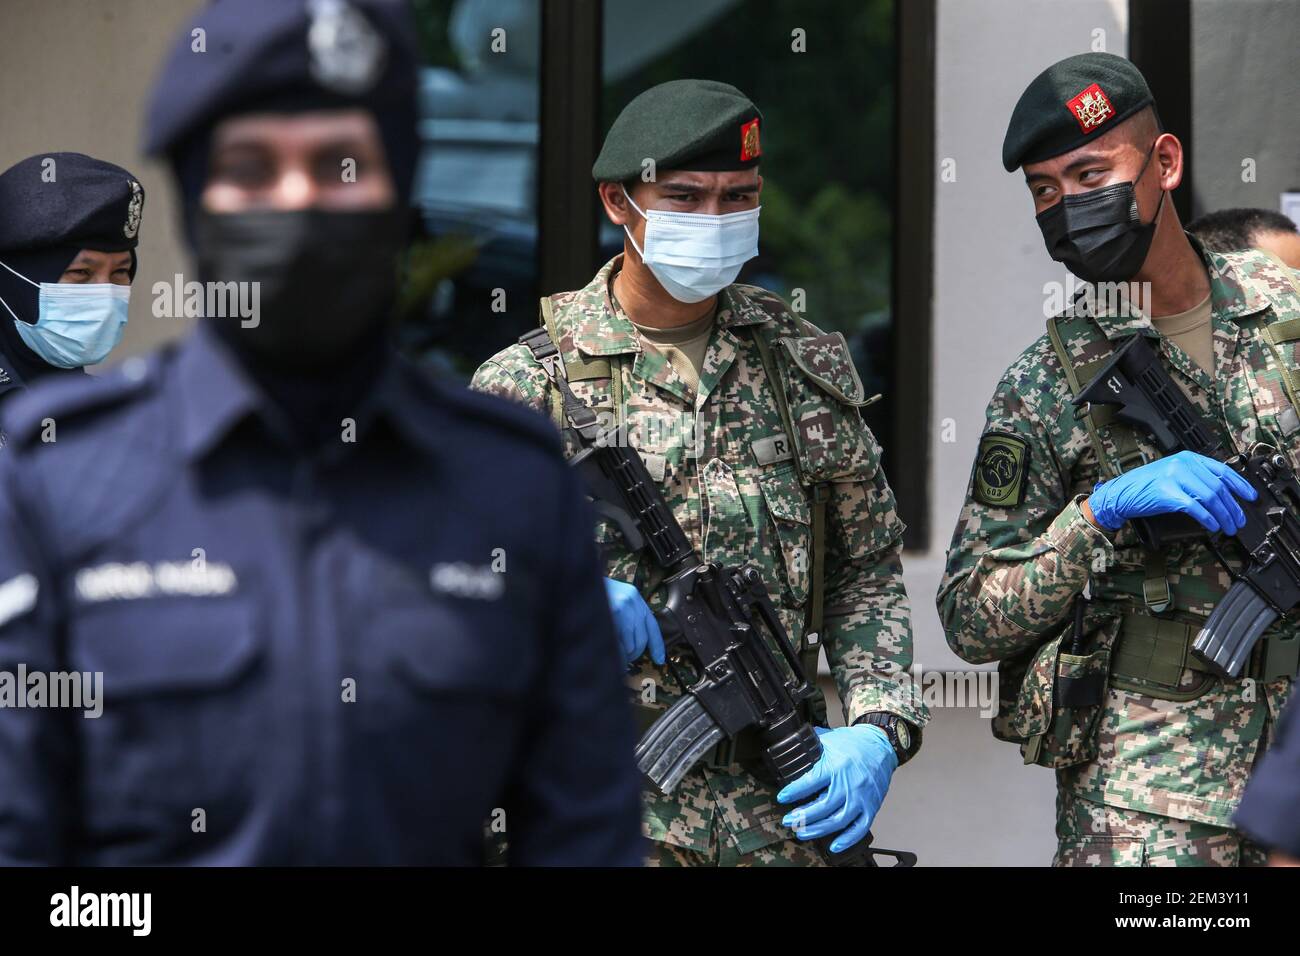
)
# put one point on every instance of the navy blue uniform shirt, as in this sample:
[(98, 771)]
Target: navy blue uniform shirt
[(1270, 807), (356, 657)]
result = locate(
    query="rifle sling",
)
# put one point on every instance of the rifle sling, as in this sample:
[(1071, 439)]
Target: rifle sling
[(810, 643), (1157, 593)]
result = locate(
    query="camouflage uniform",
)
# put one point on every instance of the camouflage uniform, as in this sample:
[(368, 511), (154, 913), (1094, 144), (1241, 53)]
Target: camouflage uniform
[(1149, 759), (739, 501)]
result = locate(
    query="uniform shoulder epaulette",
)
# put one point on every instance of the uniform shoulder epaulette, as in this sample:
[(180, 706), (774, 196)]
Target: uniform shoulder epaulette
[(498, 412), (68, 398), (772, 306)]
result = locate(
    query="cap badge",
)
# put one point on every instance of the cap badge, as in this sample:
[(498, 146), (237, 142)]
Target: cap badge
[(749, 148), (133, 210), (346, 54), (1091, 108)]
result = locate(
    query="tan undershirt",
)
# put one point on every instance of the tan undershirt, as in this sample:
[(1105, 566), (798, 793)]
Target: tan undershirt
[(683, 346), (1192, 332)]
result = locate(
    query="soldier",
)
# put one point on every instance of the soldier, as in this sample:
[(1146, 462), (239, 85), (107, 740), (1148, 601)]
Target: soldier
[(333, 624), (68, 235), (1151, 749), (1229, 230), (777, 471)]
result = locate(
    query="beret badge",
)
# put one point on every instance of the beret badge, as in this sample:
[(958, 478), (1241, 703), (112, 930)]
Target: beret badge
[(1091, 108), (133, 211), (346, 53)]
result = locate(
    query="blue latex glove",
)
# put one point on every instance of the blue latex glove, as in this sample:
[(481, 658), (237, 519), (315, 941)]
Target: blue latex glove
[(1186, 482), (634, 621), (852, 776)]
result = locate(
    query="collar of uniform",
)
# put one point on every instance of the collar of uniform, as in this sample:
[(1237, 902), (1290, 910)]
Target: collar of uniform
[(1230, 297), (606, 329), (401, 402), (216, 395), (1230, 294)]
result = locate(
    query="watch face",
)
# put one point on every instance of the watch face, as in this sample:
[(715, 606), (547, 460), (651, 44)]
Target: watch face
[(904, 735)]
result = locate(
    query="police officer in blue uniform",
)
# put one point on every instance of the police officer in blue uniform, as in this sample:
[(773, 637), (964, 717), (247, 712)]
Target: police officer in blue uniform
[(343, 614), (69, 226), (1268, 811)]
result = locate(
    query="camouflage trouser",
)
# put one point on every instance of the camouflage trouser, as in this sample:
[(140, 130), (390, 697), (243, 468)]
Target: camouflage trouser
[(1091, 834), (723, 853)]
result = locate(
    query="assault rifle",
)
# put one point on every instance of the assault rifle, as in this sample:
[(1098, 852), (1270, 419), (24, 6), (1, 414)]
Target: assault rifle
[(1138, 386), (714, 620)]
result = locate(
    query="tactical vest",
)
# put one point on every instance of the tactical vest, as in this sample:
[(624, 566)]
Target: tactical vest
[(1151, 652), (563, 366)]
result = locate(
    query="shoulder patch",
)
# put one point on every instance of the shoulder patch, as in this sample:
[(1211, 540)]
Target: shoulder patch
[(67, 398), (1000, 468)]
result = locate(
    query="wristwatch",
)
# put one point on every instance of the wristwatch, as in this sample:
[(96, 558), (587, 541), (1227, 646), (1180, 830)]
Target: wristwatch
[(905, 738)]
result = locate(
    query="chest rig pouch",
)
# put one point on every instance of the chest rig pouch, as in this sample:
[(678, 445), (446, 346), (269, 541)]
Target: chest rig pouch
[(1050, 698)]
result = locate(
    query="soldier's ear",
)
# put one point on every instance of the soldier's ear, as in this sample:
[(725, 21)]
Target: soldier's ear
[(1169, 158), (617, 208)]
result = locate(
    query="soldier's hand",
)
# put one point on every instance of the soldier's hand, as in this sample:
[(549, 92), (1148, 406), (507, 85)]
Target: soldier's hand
[(634, 621), (1193, 484), (852, 776)]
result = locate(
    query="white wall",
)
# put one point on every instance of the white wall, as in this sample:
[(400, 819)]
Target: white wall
[(1245, 102), (968, 799)]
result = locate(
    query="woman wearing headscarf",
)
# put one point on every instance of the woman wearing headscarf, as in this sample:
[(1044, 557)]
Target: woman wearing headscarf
[(69, 226)]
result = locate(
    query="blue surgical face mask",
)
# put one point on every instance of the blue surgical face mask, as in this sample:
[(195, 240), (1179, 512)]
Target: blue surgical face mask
[(77, 324), (695, 255)]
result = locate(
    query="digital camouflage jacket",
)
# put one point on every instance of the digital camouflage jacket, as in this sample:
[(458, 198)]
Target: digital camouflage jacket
[(731, 480), (1014, 569)]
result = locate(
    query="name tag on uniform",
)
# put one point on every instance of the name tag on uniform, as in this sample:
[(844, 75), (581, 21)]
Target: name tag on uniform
[(140, 579), (657, 465), (477, 582), (773, 448)]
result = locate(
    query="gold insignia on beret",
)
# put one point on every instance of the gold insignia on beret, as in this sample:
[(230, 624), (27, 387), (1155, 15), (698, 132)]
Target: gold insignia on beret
[(749, 145), (1091, 108), (134, 209)]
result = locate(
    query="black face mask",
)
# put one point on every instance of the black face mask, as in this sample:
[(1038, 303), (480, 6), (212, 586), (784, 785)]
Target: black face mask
[(1098, 235), (326, 280)]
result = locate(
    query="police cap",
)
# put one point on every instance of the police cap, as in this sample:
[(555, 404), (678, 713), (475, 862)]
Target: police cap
[(240, 56), (70, 200)]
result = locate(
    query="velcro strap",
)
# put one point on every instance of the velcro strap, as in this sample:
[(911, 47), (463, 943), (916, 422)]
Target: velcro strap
[(1157, 593), (1287, 330), (586, 370)]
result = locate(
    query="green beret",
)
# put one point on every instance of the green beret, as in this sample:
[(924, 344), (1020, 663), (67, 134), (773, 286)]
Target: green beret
[(1071, 102), (683, 124)]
